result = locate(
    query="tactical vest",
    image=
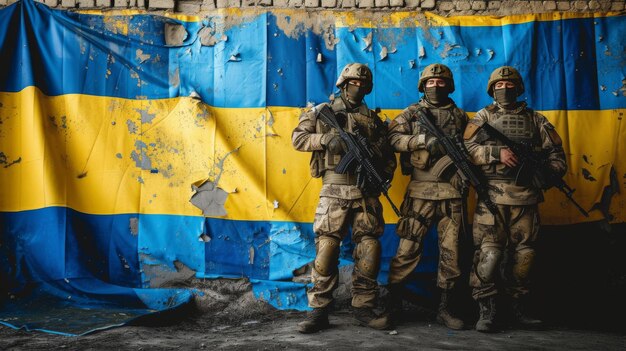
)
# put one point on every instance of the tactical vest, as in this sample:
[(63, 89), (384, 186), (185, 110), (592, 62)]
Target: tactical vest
[(450, 120), (363, 119), (519, 126)]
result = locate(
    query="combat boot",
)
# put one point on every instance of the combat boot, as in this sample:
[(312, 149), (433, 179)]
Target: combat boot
[(520, 317), (486, 320), (393, 304), (316, 320), (444, 317), (368, 318)]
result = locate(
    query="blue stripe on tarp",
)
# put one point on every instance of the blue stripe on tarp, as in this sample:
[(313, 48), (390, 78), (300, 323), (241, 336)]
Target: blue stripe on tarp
[(282, 295), (54, 243), (74, 307), (565, 63)]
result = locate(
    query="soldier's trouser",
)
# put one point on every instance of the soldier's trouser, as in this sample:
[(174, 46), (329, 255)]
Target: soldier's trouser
[(517, 235), (332, 218), (417, 215)]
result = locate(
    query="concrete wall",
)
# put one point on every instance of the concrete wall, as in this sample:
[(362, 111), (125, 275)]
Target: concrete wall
[(442, 7)]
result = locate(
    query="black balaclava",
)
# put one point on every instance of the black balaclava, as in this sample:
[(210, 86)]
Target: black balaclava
[(436, 95), (505, 96), (354, 94)]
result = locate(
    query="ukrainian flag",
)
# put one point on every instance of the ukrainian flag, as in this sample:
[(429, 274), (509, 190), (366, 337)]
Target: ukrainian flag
[(110, 123)]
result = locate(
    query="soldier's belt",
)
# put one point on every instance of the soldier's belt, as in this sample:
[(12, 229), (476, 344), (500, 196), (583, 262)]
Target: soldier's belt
[(331, 177), (424, 176)]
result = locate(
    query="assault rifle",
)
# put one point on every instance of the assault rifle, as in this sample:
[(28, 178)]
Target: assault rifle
[(536, 161), (359, 154), (455, 148)]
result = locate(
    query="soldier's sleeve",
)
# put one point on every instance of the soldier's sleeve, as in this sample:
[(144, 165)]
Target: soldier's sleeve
[(304, 136), (400, 134), (476, 141), (387, 153), (553, 144)]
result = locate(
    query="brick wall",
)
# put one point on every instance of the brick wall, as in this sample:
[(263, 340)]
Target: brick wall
[(442, 7)]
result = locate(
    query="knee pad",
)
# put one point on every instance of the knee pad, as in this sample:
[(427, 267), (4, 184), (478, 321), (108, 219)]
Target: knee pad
[(368, 257), (524, 258), (488, 263), (327, 257)]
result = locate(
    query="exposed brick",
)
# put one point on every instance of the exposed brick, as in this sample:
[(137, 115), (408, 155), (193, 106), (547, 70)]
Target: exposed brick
[(296, 3), (228, 3), (413, 3), (427, 4), (381, 3), (120, 3), (329, 3), (580, 5), (312, 3), (446, 6), (207, 5), (140, 3), (3, 2), (281, 3), (605, 5), (617, 6), (265, 2), (86, 3), (188, 7), (68, 3), (549, 5), (103, 3), (594, 5), (562, 6), (494, 5), (479, 5), (396, 3), (348, 3), (161, 4), (51, 3), (366, 3), (463, 5)]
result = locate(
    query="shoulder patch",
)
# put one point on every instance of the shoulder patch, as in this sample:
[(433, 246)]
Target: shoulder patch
[(552, 134), (470, 130)]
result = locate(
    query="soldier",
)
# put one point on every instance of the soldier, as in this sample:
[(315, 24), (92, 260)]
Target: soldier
[(513, 189), (343, 203), (433, 195)]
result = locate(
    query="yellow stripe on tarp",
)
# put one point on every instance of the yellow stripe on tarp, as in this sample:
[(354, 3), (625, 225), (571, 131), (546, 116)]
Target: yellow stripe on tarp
[(76, 151), (369, 19)]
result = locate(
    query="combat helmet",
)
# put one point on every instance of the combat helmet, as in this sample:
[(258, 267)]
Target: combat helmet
[(357, 71), (505, 73), (436, 70)]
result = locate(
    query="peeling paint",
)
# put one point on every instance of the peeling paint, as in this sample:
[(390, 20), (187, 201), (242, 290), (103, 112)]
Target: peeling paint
[(383, 53), (175, 34), (210, 199), (587, 175), (141, 57), (140, 156), (251, 255), (133, 225), (607, 194), (158, 275), (145, 116), (132, 127), (319, 58), (4, 160), (368, 42)]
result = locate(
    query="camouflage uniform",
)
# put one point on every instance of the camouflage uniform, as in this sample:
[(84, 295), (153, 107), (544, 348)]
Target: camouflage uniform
[(516, 195), (342, 203), (430, 196)]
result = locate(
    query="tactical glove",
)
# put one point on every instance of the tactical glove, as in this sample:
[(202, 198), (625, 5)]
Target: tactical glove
[(434, 148), (335, 145)]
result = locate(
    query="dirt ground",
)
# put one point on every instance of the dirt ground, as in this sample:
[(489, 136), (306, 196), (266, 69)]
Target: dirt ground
[(229, 317)]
